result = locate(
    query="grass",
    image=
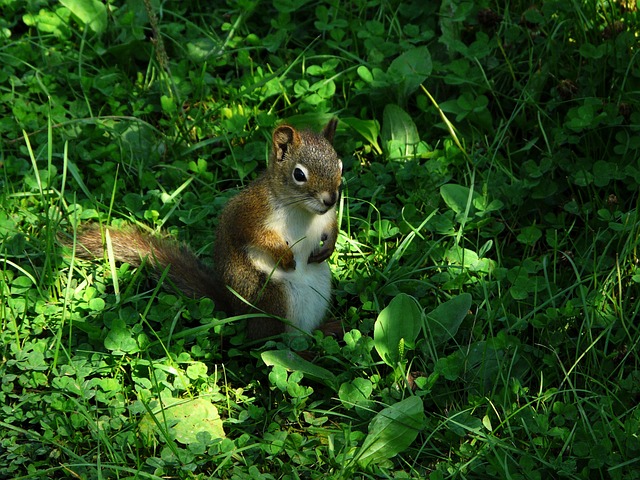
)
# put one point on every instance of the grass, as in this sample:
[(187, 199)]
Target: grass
[(486, 274)]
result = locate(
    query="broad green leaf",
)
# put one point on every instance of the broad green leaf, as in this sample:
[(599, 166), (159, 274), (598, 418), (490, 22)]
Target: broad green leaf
[(443, 322), (109, 385), (368, 129), (21, 284), (189, 422), (399, 134), (274, 442), (520, 287), (457, 197), (603, 172), (92, 13), (294, 362), (397, 328), (461, 423), (462, 256), (8, 224), (409, 70), (392, 431)]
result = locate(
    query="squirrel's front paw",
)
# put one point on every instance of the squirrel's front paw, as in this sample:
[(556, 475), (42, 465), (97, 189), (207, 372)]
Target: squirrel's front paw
[(323, 251), (321, 254), (288, 262)]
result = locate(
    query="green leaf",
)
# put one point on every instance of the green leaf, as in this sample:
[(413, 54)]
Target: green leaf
[(168, 104), (392, 431), (293, 362), (457, 197), (21, 284), (368, 129), (197, 370), (450, 367), (278, 377), (356, 393), (399, 134), (385, 229), (365, 74), (97, 304), (443, 322), (189, 422), (409, 70), (396, 328), (590, 51), (486, 421), (92, 13), (530, 235), (462, 422), (120, 339), (109, 385), (55, 23), (469, 260), (68, 385)]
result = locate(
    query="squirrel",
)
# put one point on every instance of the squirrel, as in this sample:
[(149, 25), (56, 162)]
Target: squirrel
[(271, 241)]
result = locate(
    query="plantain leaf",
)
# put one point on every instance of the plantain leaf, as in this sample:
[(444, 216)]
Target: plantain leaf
[(399, 134), (443, 322), (392, 431), (397, 328)]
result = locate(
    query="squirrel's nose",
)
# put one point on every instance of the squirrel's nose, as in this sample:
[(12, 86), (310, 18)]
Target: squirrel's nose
[(329, 199)]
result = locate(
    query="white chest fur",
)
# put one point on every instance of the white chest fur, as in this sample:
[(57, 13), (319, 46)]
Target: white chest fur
[(309, 285)]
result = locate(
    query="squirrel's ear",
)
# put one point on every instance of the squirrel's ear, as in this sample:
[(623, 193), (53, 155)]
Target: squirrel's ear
[(283, 136), (330, 129)]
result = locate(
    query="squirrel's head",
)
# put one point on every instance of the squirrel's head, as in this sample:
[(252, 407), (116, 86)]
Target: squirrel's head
[(305, 169)]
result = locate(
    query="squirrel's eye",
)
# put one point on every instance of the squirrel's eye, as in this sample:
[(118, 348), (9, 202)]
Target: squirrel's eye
[(299, 175)]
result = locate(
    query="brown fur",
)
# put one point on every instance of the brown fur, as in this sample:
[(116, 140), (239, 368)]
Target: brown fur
[(132, 246)]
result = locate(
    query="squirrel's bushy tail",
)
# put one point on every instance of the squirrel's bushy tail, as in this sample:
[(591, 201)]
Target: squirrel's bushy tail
[(132, 246)]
